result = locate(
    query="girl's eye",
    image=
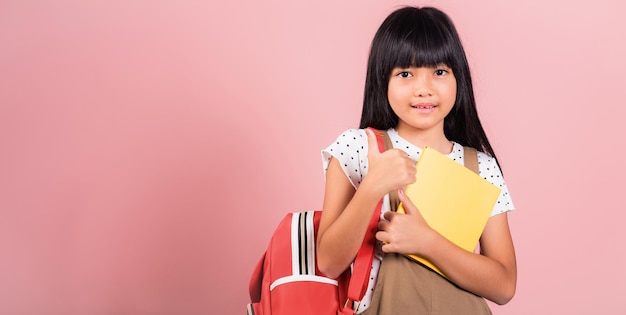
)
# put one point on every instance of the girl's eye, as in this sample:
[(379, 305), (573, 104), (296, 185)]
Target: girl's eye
[(404, 74), (440, 72)]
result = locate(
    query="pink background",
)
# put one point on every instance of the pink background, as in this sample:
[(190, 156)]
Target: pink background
[(149, 148)]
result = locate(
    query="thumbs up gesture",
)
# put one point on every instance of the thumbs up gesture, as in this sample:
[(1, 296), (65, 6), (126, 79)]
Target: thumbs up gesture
[(389, 170)]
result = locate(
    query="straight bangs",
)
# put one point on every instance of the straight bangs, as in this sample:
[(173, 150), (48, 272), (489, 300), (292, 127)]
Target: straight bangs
[(424, 51), (421, 42)]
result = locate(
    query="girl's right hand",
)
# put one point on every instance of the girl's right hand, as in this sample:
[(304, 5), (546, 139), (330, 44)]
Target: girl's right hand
[(389, 170)]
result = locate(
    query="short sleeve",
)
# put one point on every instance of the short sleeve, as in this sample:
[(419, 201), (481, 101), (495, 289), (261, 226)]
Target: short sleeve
[(350, 150), (490, 171)]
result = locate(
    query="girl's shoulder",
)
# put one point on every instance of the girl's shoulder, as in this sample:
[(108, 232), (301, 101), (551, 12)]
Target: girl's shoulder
[(485, 158), (350, 140), (489, 169), (353, 133), (486, 163), (350, 150)]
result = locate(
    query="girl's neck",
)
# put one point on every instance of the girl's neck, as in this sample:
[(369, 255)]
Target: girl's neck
[(433, 138)]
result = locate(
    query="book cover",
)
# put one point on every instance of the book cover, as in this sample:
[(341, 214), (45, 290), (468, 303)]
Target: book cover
[(454, 200)]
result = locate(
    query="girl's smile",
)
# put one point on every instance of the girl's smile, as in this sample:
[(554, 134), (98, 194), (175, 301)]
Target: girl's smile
[(424, 108)]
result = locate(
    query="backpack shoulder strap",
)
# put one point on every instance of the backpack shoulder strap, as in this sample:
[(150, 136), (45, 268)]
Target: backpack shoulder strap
[(470, 158), (363, 261)]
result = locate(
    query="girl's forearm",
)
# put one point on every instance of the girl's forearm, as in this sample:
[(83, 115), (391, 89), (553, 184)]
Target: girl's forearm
[(340, 242), (473, 272)]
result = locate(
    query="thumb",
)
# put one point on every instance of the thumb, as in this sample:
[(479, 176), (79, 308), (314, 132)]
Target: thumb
[(407, 204), (372, 142)]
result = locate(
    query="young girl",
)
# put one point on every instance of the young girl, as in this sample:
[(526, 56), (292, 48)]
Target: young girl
[(418, 88)]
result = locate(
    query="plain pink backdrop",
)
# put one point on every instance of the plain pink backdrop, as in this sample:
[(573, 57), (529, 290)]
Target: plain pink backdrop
[(149, 148)]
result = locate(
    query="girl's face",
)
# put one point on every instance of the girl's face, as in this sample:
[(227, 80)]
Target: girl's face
[(422, 97)]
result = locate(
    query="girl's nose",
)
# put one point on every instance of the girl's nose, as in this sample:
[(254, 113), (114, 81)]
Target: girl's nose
[(422, 87), (423, 90)]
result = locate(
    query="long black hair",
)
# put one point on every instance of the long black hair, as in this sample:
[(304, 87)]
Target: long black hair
[(421, 37)]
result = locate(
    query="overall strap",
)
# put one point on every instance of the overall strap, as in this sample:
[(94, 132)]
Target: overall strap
[(470, 156)]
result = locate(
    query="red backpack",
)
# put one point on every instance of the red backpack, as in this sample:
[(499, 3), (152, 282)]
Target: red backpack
[(286, 280)]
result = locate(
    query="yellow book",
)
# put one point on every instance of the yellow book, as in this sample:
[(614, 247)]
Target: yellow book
[(454, 201)]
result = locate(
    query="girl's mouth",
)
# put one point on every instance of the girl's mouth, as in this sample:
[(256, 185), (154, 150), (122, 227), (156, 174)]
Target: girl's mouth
[(424, 108)]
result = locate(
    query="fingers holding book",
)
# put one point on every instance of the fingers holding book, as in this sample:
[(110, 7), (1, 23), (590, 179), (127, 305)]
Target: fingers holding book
[(404, 233)]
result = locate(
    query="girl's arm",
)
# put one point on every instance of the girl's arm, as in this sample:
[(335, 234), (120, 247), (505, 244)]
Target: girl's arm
[(492, 275), (346, 212), (345, 217)]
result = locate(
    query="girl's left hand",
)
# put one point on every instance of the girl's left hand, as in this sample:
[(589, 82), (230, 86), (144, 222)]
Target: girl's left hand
[(406, 233)]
